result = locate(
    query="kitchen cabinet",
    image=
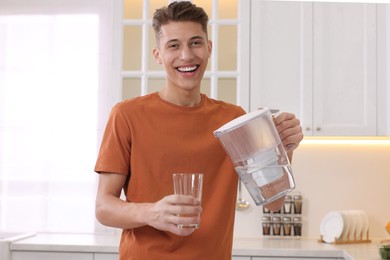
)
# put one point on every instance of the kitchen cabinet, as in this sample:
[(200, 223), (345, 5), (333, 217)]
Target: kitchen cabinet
[(241, 258), (31, 255), (295, 258), (105, 256), (320, 62)]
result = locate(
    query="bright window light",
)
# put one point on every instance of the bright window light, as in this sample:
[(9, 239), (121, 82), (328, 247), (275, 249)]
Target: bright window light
[(49, 83)]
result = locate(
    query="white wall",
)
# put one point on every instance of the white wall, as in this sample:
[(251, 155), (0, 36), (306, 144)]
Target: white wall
[(334, 177)]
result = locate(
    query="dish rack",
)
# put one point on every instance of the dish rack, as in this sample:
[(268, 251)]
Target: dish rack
[(356, 240), (345, 227)]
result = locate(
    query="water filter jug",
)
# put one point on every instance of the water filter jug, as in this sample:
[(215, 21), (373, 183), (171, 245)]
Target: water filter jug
[(254, 146)]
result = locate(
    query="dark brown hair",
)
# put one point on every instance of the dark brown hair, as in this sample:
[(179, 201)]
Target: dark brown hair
[(179, 11)]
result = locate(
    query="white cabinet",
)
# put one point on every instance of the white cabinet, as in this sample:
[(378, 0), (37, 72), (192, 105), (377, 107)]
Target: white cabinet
[(277, 59), (296, 258), (344, 69), (105, 256), (241, 258), (319, 61), (32, 255), (54, 255)]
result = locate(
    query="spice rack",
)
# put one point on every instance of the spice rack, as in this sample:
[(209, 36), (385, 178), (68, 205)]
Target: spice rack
[(285, 223)]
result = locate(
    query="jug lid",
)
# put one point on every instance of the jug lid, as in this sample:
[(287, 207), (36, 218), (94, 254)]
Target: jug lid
[(239, 121)]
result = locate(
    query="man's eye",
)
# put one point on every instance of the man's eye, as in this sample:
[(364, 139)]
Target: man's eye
[(196, 43), (173, 46)]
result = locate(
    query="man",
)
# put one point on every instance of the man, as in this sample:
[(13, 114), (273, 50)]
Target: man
[(149, 138)]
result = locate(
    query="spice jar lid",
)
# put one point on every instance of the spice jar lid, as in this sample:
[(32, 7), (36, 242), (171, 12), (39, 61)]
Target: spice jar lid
[(297, 219), (286, 219), (297, 197), (266, 219), (288, 198), (276, 219)]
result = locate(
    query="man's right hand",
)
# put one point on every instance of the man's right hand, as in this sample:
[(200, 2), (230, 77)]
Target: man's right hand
[(164, 214)]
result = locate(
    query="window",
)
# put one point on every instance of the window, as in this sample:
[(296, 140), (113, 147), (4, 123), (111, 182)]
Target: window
[(55, 95), (225, 77), (63, 65)]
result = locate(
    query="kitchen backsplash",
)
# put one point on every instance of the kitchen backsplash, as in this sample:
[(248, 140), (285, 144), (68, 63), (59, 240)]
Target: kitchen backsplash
[(333, 176)]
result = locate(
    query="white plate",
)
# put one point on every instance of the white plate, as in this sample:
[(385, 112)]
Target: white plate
[(364, 223), (352, 224), (346, 228), (359, 224), (332, 226)]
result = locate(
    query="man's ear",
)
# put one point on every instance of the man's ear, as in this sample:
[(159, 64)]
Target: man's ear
[(210, 47), (156, 55)]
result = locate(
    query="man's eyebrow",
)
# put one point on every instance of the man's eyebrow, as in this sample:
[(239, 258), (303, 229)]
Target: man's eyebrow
[(171, 41), (197, 37)]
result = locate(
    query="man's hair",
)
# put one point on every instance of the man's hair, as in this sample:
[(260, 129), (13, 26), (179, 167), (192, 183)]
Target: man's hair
[(179, 11)]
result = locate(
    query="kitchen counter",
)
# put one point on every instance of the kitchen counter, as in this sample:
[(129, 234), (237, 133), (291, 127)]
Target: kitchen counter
[(6, 239), (69, 243), (261, 247), (305, 248)]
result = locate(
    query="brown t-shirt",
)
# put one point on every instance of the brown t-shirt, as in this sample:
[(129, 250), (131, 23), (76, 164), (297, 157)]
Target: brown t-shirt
[(148, 139)]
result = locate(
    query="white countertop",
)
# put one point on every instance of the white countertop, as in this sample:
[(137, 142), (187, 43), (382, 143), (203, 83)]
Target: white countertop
[(241, 246), (106, 243), (9, 237), (304, 248)]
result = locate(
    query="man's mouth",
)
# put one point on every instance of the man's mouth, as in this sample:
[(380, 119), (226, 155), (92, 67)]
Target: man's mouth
[(187, 69)]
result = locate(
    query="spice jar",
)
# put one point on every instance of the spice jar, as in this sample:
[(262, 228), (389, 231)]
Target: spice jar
[(265, 210), (287, 226), (266, 226), (297, 226), (297, 200), (276, 226), (287, 206)]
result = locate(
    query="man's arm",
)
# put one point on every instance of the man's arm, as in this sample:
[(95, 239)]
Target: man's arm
[(162, 215)]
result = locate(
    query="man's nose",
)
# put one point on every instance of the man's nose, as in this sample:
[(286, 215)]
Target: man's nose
[(186, 53)]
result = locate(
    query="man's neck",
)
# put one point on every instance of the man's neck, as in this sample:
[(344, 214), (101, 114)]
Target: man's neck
[(181, 98)]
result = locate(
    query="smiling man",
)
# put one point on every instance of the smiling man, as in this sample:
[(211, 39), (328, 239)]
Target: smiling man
[(149, 138), (183, 49)]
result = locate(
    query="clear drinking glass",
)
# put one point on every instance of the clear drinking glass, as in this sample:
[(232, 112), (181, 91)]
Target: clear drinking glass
[(188, 184)]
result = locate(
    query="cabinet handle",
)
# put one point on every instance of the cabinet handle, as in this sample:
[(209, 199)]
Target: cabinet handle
[(308, 129), (318, 129)]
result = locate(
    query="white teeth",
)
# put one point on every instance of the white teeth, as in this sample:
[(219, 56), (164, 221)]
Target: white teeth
[(187, 69)]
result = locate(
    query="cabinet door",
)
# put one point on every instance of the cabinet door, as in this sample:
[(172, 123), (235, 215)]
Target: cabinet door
[(295, 258), (344, 69), (281, 57), (25, 255), (318, 61), (383, 68), (241, 258), (104, 256)]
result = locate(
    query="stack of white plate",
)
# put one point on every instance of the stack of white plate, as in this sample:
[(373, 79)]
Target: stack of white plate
[(344, 225)]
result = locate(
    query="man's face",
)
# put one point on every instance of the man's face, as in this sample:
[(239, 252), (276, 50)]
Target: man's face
[(184, 52)]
